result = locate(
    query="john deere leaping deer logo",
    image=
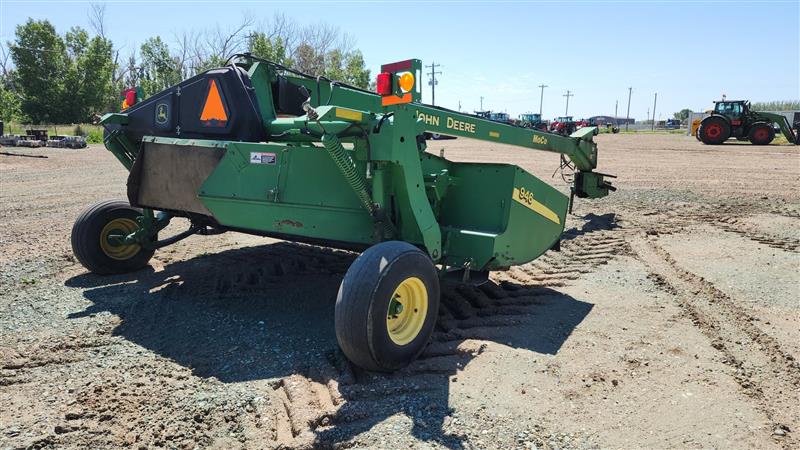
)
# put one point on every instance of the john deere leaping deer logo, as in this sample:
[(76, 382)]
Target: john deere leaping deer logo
[(162, 113)]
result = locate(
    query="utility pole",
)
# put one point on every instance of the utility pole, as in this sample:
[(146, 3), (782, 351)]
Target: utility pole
[(433, 81), (541, 97), (616, 105), (481, 103), (568, 95), (655, 97), (628, 115), (459, 105), (648, 114)]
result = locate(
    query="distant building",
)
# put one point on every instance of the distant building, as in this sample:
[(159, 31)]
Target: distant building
[(603, 120)]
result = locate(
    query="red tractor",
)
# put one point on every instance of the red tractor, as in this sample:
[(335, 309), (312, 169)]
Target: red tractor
[(583, 123), (563, 125)]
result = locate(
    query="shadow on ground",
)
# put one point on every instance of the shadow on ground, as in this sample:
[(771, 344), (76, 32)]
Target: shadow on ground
[(266, 312)]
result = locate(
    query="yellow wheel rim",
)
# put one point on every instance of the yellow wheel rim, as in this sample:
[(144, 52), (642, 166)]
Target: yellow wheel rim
[(408, 309), (121, 226)]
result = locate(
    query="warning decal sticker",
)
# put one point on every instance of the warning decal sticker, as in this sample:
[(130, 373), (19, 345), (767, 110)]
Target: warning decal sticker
[(262, 158)]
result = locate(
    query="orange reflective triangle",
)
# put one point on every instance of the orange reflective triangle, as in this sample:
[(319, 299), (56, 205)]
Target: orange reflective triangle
[(213, 109)]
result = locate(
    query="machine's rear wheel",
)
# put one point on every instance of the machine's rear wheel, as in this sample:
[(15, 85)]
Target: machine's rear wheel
[(387, 306), (761, 134), (91, 244), (714, 130)]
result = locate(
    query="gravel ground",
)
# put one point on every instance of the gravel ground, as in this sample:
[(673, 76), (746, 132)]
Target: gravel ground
[(669, 319)]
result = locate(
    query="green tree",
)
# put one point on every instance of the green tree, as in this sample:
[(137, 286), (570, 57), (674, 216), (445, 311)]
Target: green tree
[(683, 114), (209, 62), (159, 69), (10, 106), (309, 60), (260, 45), (95, 73), (777, 105), (61, 80), (356, 72), (76, 40), (89, 78), (41, 60), (336, 64)]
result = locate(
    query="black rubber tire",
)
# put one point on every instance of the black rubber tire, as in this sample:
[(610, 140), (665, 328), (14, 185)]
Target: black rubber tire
[(86, 239), (759, 136), (363, 303), (711, 123)]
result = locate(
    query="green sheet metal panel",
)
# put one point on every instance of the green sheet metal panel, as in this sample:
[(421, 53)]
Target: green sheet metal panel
[(498, 215), (535, 222), (285, 189), (478, 199)]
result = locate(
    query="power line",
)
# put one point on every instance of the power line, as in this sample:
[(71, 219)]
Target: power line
[(628, 114), (433, 81), (655, 97), (568, 95), (541, 97)]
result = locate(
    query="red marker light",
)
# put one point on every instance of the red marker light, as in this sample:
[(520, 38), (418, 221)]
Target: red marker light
[(130, 97), (384, 83)]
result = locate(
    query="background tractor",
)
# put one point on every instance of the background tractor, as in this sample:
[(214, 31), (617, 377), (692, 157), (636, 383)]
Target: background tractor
[(494, 116), (533, 120), (735, 119), (564, 126)]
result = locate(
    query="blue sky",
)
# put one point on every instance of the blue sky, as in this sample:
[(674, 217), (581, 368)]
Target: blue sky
[(689, 52)]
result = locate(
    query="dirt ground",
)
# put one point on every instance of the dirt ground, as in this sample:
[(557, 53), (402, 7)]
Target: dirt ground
[(671, 318)]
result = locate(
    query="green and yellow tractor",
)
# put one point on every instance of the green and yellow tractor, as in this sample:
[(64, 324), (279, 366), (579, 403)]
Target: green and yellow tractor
[(736, 119)]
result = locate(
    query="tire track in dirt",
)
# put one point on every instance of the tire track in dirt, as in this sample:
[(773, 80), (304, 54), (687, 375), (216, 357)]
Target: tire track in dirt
[(117, 410), (241, 272), (734, 225), (766, 373), (328, 403), (578, 256), (16, 364), (728, 218)]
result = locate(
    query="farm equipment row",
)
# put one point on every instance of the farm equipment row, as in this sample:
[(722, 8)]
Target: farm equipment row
[(258, 148), (564, 126), (40, 138)]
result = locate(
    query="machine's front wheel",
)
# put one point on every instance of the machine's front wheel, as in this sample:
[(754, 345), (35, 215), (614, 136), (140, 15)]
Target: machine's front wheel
[(387, 306), (92, 246), (714, 130), (761, 134)]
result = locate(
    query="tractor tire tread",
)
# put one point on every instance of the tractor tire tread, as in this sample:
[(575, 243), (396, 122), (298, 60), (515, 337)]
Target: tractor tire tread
[(89, 255), (724, 135), (770, 133), (354, 302)]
